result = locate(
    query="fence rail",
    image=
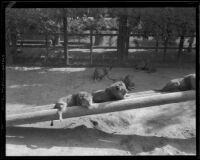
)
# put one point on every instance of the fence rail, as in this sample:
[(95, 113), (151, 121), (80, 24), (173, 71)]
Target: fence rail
[(105, 34), (87, 46), (47, 43)]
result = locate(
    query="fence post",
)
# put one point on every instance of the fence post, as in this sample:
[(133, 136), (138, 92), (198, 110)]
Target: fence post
[(157, 43), (91, 42), (21, 43), (47, 48), (13, 50), (127, 43), (191, 40), (165, 48), (65, 37)]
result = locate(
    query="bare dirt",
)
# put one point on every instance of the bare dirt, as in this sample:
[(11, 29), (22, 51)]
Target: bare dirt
[(157, 130)]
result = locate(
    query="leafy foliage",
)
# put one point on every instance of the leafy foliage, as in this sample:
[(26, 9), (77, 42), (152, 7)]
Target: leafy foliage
[(168, 22), (184, 19), (165, 24), (29, 20)]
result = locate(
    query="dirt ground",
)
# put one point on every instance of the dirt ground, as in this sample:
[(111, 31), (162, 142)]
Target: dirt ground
[(158, 130)]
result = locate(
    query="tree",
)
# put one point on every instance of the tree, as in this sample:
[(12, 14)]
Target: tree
[(65, 36), (19, 21), (150, 25), (185, 25), (161, 25), (170, 23), (47, 20), (128, 18), (94, 20)]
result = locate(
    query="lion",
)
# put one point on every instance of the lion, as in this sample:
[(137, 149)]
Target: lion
[(100, 73), (130, 85), (115, 91), (185, 83), (82, 98)]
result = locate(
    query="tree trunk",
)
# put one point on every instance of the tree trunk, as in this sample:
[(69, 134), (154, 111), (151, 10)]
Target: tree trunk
[(13, 50), (126, 45), (191, 40), (47, 49), (157, 41), (66, 57), (122, 39), (119, 43), (8, 48), (58, 36), (181, 43), (91, 44), (98, 39), (79, 39), (165, 49), (110, 41), (9, 57)]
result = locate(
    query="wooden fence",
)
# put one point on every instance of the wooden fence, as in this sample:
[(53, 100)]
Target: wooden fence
[(70, 45)]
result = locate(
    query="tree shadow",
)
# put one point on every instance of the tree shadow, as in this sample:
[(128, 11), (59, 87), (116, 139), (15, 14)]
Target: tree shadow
[(82, 136)]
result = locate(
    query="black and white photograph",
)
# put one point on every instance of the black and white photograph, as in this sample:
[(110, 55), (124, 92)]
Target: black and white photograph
[(100, 81)]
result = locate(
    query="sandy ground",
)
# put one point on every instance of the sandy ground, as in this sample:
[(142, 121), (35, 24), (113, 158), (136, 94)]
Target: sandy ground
[(157, 130)]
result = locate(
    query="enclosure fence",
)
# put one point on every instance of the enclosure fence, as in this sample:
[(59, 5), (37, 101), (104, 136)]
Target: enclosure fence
[(47, 43)]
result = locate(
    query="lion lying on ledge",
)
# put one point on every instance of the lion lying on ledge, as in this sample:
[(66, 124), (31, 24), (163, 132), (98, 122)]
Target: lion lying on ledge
[(116, 91), (185, 83)]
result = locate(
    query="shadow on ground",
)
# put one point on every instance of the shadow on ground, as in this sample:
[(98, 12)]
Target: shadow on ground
[(82, 136)]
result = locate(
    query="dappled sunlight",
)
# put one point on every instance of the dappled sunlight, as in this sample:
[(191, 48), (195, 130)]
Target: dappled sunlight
[(136, 50), (93, 50), (103, 50), (24, 68), (79, 50), (53, 55), (139, 130), (186, 42), (24, 85), (67, 69)]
